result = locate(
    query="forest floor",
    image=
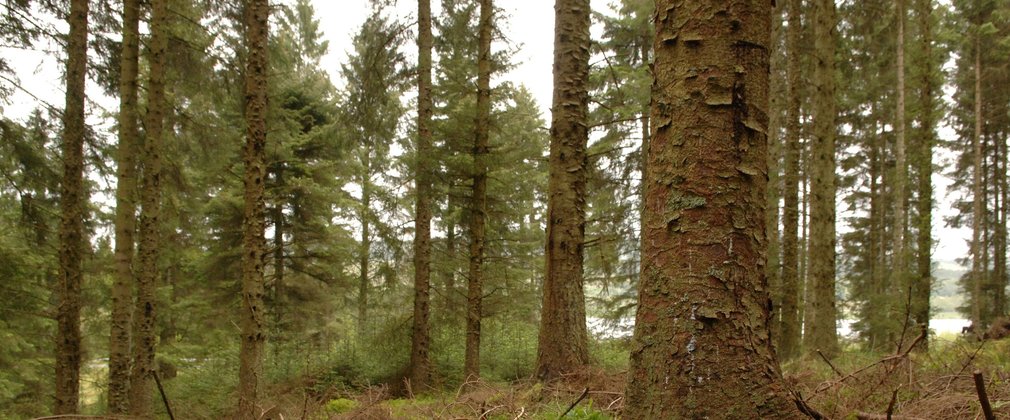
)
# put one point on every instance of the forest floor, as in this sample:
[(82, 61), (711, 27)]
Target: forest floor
[(939, 384)]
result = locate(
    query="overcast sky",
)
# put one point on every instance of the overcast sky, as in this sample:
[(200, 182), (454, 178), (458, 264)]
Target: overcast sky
[(530, 27)]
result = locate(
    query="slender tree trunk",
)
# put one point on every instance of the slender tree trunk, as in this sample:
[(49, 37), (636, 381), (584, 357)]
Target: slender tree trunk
[(823, 335), (126, 209), (976, 243), (877, 250), (1000, 281), (145, 338), (478, 203), (278, 260), (72, 212), (924, 242), (254, 221), (420, 364), (702, 346), (899, 288), (789, 344), (364, 252), (564, 341)]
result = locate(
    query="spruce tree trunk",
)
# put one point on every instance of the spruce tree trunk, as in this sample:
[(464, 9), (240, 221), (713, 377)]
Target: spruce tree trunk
[(364, 252), (701, 346), (420, 363), (823, 335), (254, 217), (789, 342), (924, 242), (126, 209), (976, 243), (899, 289), (145, 339), (478, 203), (563, 340), (72, 212), (776, 143)]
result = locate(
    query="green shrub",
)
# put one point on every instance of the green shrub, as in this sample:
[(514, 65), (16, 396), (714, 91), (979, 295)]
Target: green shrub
[(340, 405)]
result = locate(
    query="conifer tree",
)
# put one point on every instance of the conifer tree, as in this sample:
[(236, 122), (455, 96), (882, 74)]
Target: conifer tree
[(73, 197), (563, 340)]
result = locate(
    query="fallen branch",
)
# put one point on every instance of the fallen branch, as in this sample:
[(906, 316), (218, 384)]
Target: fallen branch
[(584, 393), (871, 416), (983, 397), (826, 360), (164, 397)]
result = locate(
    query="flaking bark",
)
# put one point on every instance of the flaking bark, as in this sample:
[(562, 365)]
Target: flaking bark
[(701, 346), (126, 208), (478, 199), (253, 242), (148, 253), (72, 208), (420, 363), (563, 339)]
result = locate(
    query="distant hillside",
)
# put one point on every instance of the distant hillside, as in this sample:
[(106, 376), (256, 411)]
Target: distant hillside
[(946, 293)]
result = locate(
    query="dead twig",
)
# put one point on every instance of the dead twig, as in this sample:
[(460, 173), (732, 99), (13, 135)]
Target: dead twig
[(584, 393), (983, 397), (832, 365), (164, 397)]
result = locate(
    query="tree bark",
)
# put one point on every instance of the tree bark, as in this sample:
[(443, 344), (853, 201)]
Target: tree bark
[(420, 363), (823, 335), (701, 346), (478, 203), (789, 342), (254, 217), (922, 287), (976, 243), (145, 339), (898, 282), (72, 212), (564, 341), (126, 209), (776, 147), (364, 252)]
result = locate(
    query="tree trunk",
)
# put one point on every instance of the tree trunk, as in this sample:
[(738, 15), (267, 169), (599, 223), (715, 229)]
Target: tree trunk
[(254, 219), (564, 341), (776, 143), (72, 211), (976, 225), (478, 203), (420, 363), (789, 342), (364, 252), (126, 209), (702, 346), (823, 335), (899, 288), (923, 278), (144, 335)]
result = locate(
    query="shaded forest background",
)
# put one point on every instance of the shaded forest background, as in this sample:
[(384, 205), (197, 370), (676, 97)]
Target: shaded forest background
[(339, 192)]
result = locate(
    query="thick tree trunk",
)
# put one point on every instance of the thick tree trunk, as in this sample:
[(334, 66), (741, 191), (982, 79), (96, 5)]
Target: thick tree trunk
[(126, 209), (72, 209), (924, 242), (702, 345), (254, 218), (823, 335), (420, 363), (564, 341), (145, 338), (789, 342), (478, 203)]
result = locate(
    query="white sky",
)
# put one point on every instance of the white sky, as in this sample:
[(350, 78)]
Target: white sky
[(530, 27)]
